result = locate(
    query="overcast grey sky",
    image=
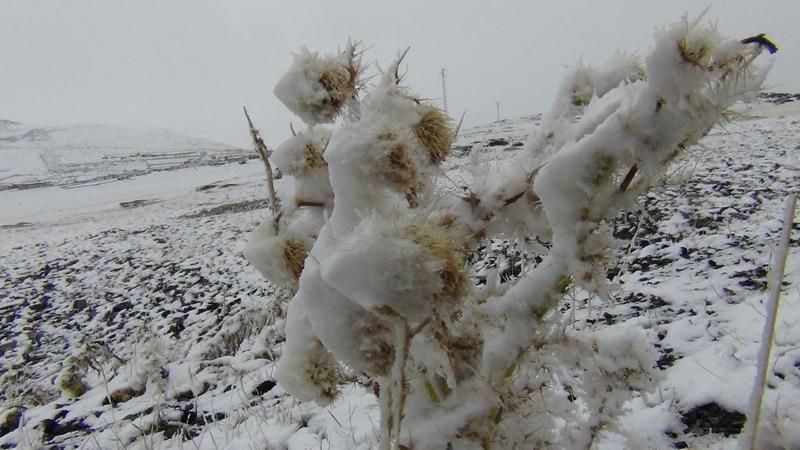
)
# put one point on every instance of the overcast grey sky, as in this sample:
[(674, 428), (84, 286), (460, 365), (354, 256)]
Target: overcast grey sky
[(189, 65)]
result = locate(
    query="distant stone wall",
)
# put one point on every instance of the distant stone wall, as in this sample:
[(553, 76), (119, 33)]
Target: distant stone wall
[(778, 98)]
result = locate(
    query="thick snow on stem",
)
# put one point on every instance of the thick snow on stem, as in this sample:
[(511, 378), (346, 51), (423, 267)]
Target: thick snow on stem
[(374, 262), (581, 85), (695, 75)]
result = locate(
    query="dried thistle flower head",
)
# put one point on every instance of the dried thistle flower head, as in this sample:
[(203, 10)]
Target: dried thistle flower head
[(399, 168), (435, 132), (317, 88), (314, 159), (340, 79), (294, 256), (448, 247), (303, 153), (278, 247), (315, 376), (693, 52), (583, 88)]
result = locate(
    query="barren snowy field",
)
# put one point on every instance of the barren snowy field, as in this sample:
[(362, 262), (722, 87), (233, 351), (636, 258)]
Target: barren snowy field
[(74, 156), (134, 297)]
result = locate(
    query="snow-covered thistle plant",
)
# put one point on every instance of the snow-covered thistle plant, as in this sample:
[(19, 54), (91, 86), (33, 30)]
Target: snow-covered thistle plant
[(378, 253)]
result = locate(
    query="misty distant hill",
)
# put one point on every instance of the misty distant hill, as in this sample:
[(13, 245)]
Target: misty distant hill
[(32, 156)]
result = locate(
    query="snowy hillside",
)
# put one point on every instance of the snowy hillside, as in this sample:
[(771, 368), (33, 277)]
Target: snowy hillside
[(130, 319), (44, 156)]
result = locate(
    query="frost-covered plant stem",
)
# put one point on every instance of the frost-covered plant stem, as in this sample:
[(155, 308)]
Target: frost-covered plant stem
[(579, 86), (263, 154), (393, 387), (749, 437), (398, 382), (578, 185), (524, 305)]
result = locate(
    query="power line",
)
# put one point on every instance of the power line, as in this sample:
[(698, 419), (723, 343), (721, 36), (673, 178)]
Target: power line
[(444, 90)]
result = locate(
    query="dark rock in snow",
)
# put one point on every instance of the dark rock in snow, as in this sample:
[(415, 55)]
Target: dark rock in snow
[(496, 142), (52, 428), (713, 418), (264, 387), (137, 203), (10, 421)]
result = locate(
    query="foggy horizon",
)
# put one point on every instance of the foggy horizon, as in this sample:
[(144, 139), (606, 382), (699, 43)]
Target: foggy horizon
[(189, 66)]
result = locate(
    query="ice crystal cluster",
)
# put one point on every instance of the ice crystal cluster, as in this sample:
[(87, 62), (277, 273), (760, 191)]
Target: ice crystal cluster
[(378, 252)]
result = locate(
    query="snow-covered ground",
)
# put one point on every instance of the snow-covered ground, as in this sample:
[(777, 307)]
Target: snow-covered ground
[(33, 156), (174, 335)]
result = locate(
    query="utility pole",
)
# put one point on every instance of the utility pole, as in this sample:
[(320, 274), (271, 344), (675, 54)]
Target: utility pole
[(498, 111), (444, 91)]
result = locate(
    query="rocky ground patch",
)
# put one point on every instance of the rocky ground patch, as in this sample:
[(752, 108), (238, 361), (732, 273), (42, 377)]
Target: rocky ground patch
[(171, 336)]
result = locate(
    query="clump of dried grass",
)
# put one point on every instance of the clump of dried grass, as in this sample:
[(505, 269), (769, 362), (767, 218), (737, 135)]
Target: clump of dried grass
[(435, 132), (124, 394), (294, 256), (236, 329), (70, 380)]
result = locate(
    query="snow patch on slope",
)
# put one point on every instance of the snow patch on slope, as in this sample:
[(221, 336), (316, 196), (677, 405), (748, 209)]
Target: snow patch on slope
[(35, 156)]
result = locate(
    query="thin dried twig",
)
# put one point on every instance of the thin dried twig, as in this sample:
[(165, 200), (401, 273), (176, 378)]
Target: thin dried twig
[(626, 182), (302, 203), (397, 77), (458, 127), (263, 153)]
